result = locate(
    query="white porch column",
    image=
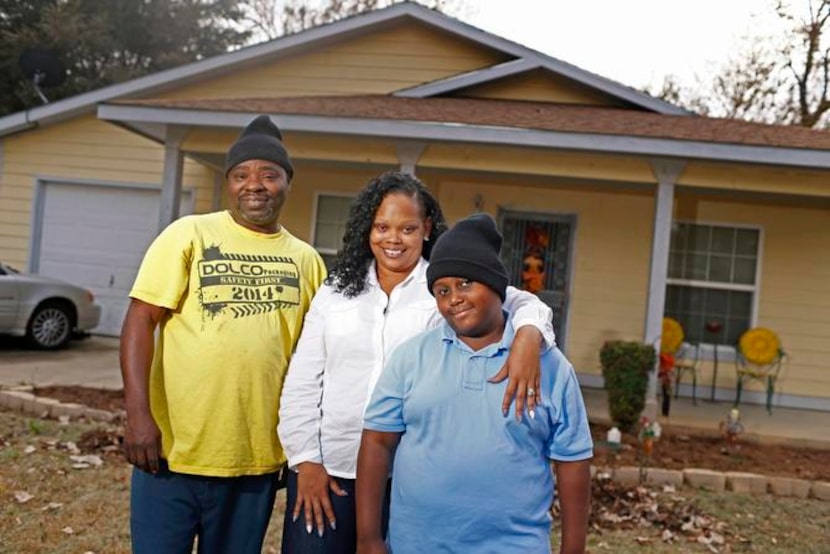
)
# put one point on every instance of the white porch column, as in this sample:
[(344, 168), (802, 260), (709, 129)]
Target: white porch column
[(409, 152), (171, 184), (218, 190), (666, 172)]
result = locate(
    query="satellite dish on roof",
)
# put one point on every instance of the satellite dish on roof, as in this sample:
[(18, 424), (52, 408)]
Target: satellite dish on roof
[(43, 68)]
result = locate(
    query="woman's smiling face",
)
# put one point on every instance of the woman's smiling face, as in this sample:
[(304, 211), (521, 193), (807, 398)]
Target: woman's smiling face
[(397, 235)]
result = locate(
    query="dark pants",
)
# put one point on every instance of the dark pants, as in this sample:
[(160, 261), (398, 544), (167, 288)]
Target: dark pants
[(295, 538), (228, 514)]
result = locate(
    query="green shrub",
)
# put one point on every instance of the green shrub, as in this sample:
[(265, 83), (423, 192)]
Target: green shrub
[(625, 368)]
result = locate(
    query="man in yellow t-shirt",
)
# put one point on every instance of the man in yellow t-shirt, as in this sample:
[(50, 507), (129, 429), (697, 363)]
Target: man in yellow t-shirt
[(227, 292)]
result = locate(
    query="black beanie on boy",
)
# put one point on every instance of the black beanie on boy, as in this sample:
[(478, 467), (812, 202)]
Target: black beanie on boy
[(261, 140), (470, 250)]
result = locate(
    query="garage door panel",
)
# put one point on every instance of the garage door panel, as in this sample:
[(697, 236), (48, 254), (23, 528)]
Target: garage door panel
[(95, 237)]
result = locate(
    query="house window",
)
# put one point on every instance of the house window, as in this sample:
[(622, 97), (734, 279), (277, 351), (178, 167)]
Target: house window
[(712, 277), (330, 224)]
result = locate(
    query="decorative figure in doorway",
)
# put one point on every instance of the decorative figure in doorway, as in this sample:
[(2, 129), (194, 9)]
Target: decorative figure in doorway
[(536, 242)]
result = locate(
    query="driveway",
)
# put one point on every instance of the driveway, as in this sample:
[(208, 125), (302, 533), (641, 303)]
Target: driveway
[(92, 362)]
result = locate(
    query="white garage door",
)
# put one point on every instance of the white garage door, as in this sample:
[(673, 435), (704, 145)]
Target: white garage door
[(95, 237)]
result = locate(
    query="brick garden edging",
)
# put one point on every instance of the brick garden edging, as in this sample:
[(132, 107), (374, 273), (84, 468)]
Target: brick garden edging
[(21, 399), (730, 481)]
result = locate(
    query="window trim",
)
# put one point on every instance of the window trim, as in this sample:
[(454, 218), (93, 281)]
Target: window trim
[(754, 289)]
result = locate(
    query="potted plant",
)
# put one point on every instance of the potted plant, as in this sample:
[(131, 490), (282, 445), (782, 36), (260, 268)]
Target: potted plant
[(625, 368)]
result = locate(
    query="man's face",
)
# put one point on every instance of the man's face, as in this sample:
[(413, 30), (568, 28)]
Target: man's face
[(472, 309), (257, 190)]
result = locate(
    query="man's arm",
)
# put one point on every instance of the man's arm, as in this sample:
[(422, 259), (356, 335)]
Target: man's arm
[(142, 438), (573, 481), (374, 462)]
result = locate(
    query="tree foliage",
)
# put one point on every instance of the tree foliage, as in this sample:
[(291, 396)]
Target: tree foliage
[(102, 42), (772, 79)]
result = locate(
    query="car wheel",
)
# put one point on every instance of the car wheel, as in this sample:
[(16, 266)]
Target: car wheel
[(50, 327)]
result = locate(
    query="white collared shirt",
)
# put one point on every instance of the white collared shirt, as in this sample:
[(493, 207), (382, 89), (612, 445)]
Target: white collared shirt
[(343, 347)]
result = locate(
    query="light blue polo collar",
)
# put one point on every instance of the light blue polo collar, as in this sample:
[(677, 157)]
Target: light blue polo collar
[(449, 336)]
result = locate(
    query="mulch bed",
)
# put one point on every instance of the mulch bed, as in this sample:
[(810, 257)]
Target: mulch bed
[(678, 448), (100, 399)]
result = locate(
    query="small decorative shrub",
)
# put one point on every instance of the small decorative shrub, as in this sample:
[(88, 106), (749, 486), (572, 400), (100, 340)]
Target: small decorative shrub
[(625, 368)]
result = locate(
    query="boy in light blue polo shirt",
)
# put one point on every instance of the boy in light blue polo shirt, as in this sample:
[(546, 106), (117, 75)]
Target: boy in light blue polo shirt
[(466, 478)]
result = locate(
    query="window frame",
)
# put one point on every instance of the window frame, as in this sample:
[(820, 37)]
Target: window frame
[(315, 213), (754, 289)]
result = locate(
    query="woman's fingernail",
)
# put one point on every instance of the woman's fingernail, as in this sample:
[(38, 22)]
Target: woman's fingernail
[(532, 414), (320, 532), (294, 519), (333, 526), (308, 528)]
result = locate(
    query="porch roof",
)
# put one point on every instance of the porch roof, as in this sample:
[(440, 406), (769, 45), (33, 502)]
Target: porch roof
[(516, 114)]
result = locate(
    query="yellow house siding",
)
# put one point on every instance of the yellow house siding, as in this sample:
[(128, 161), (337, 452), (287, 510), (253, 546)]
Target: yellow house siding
[(399, 56), (307, 146), (536, 161), (77, 150), (764, 179), (298, 213), (612, 248), (794, 298), (540, 86)]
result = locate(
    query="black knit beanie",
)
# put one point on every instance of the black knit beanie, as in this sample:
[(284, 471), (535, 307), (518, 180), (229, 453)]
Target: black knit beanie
[(470, 250), (261, 140)]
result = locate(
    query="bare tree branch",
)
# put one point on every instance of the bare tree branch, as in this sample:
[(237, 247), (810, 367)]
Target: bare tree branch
[(789, 84)]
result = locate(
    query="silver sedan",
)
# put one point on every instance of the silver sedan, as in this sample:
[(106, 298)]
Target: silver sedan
[(48, 312)]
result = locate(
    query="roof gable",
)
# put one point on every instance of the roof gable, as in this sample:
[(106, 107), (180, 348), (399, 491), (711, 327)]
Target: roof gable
[(540, 85), (402, 54), (158, 83)]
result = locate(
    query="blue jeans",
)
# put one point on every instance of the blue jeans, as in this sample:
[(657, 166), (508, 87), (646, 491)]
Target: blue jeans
[(228, 514), (295, 538)]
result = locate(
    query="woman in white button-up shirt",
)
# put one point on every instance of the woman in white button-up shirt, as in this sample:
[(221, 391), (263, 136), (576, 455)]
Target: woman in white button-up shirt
[(375, 298)]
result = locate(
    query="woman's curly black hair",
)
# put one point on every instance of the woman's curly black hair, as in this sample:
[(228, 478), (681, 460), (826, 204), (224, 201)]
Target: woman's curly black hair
[(351, 265)]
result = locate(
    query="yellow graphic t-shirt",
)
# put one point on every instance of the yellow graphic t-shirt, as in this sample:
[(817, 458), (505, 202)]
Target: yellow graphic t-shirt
[(237, 300)]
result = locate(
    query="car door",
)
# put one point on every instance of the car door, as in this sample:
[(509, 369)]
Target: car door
[(9, 299)]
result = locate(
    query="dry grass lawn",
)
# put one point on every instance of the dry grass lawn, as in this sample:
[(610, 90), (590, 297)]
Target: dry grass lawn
[(49, 506)]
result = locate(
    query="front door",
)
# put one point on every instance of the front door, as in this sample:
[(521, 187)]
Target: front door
[(537, 253)]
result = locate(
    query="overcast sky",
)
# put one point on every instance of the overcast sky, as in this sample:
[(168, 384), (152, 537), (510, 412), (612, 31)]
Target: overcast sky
[(635, 42)]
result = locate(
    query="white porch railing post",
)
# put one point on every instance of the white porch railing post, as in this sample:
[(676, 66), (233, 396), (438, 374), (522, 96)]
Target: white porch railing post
[(171, 184), (409, 152), (666, 172)]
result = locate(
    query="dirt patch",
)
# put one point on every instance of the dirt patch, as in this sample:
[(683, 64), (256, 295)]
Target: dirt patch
[(678, 447), (100, 399)]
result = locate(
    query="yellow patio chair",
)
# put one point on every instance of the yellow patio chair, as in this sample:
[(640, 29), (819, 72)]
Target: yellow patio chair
[(687, 360), (685, 356), (759, 358)]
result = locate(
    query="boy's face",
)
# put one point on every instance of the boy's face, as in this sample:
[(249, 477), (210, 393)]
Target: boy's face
[(472, 309)]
